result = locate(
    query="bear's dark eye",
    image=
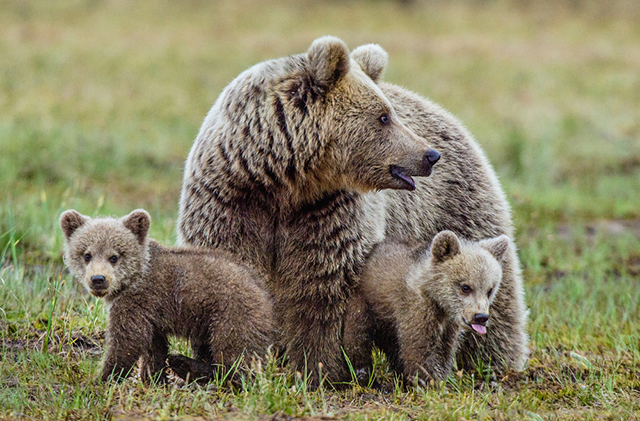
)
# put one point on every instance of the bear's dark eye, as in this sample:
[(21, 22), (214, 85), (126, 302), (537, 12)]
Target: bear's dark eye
[(384, 119), (466, 289), (87, 257), (489, 293), (113, 259)]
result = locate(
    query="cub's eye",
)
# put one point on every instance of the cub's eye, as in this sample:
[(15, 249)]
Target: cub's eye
[(489, 293), (466, 289), (87, 257), (113, 259), (384, 119)]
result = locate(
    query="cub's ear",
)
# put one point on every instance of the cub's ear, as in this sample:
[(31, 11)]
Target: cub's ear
[(372, 59), (328, 61), (497, 247), (138, 222), (445, 245), (70, 221)]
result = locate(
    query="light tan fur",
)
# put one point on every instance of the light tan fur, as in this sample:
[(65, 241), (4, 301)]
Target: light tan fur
[(421, 300), (462, 195)]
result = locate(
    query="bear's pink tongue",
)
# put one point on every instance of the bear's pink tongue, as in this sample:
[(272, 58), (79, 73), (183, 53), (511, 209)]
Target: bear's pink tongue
[(479, 328)]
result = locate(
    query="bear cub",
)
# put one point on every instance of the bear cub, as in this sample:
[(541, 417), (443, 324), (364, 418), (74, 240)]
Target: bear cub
[(153, 292), (421, 300)]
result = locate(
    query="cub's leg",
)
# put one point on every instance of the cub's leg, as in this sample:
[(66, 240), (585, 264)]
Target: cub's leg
[(190, 369), (154, 361), (129, 336), (427, 345)]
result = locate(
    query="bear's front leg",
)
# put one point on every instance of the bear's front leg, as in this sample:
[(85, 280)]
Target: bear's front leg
[(312, 329), (427, 347), (358, 335), (129, 335), (319, 256), (119, 360)]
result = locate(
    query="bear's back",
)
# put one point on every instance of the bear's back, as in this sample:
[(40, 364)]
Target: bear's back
[(186, 286), (463, 193)]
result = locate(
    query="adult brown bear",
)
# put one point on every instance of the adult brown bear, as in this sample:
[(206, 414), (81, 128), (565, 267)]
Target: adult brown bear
[(284, 173)]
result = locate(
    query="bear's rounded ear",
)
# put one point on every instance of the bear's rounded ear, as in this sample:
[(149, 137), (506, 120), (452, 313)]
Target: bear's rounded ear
[(70, 221), (445, 245), (372, 59), (138, 223), (497, 247), (328, 61)]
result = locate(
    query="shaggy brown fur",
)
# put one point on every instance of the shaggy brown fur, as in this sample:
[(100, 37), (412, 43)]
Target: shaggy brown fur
[(283, 174), (420, 301), (273, 175), (154, 292)]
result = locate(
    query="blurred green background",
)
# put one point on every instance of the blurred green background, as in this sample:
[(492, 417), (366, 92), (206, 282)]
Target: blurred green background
[(100, 102)]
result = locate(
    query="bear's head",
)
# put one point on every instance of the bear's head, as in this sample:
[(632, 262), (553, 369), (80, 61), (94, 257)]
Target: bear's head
[(311, 124), (105, 253), (464, 277)]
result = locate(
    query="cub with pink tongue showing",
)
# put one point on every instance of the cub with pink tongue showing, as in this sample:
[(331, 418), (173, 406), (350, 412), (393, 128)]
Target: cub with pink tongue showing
[(420, 300)]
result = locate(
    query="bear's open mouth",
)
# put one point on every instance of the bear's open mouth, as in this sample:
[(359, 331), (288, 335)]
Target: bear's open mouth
[(478, 328), (399, 173)]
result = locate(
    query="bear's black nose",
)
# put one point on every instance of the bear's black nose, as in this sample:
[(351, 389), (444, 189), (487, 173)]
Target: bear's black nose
[(480, 319), (98, 282), (432, 156)]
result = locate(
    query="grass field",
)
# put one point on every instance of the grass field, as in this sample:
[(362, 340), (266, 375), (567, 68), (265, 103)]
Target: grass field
[(99, 105)]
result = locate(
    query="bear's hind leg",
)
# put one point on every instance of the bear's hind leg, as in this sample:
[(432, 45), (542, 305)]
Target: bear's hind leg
[(190, 369)]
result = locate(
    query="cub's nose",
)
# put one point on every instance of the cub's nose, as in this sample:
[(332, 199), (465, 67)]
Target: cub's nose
[(98, 282), (480, 319)]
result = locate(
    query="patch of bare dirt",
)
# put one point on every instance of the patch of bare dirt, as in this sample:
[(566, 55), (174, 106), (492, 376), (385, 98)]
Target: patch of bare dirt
[(74, 345), (117, 413), (279, 416), (632, 264)]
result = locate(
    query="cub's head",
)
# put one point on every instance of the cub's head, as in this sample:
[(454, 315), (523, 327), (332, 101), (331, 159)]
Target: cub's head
[(464, 277), (105, 253)]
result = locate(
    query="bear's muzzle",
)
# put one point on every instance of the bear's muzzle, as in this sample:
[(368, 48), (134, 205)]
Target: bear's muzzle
[(99, 285)]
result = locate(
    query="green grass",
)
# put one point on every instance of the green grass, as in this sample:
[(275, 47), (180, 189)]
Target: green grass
[(99, 105)]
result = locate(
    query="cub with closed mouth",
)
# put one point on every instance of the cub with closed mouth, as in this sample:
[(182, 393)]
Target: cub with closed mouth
[(154, 292)]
